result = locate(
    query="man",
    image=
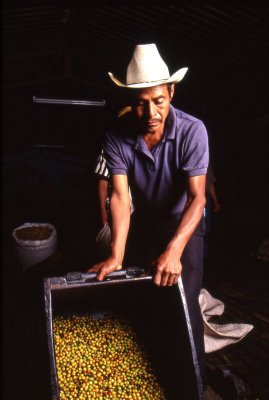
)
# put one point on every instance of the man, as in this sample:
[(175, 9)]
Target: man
[(162, 154)]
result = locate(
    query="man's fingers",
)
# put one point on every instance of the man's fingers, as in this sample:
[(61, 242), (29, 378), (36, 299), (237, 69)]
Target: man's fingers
[(101, 275), (165, 279), (172, 280), (157, 278), (105, 271), (105, 267), (95, 268), (101, 271), (161, 278)]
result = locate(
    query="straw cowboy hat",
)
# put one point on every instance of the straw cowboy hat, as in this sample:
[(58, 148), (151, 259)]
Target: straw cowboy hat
[(147, 69)]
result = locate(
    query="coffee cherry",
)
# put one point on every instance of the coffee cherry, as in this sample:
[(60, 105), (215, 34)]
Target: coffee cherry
[(102, 358)]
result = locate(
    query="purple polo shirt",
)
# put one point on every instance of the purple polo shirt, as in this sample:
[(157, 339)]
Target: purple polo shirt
[(157, 178)]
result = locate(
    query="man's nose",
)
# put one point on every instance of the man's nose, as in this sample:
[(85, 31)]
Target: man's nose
[(151, 110)]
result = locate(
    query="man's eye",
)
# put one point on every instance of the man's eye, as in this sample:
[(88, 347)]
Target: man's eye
[(159, 102)]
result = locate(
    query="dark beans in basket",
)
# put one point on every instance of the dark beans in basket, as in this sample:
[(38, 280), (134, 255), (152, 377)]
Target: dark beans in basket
[(34, 233)]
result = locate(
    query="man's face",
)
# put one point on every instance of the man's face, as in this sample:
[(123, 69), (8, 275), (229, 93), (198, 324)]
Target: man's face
[(151, 107)]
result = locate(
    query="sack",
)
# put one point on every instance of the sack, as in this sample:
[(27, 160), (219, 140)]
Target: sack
[(216, 335), (34, 242)]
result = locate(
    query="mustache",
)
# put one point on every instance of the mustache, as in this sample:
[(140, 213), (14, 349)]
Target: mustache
[(153, 120)]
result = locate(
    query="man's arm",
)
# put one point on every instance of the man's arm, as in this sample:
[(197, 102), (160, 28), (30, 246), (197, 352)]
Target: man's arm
[(120, 217), (102, 198), (168, 265)]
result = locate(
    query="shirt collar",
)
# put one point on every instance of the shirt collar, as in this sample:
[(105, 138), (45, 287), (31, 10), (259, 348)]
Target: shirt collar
[(170, 125)]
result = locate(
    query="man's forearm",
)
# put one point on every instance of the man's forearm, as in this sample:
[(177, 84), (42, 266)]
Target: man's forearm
[(192, 215), (120, 213), (102, 196)]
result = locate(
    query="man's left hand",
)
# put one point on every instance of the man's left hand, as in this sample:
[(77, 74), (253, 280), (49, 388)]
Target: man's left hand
[(168, 269)]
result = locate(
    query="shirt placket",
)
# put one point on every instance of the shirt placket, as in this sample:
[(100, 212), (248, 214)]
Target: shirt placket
[(142, 148)]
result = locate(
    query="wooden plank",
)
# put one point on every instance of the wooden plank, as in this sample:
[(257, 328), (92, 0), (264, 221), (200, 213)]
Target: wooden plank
[(249, 357), (233, 287), (258, 303), (256, 348), (256, 383), (226, 382), (244, 315), (246, 309)]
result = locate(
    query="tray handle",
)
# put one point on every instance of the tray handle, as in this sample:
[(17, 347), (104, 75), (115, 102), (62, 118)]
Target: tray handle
[(131, 272)]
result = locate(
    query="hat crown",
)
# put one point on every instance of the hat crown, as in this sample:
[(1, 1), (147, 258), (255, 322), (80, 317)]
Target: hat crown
[(146, 65)]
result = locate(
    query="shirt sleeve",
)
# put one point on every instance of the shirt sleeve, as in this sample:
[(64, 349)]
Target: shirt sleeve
[(195, 150), (114, 155), (101, 168)]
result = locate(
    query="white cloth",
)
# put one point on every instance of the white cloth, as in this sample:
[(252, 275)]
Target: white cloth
[(103, 237), (217, 335)]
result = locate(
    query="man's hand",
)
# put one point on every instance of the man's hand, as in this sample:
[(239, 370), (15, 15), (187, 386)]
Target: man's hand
[(168, 265), (168, 269), (105, 267)]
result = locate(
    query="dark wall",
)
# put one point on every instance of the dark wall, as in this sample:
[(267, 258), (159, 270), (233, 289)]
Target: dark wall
[(26, 123)]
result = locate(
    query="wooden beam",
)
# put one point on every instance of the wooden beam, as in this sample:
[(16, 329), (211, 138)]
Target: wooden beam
[(50, 65), (38, 53), (89, 83), (34, 82)]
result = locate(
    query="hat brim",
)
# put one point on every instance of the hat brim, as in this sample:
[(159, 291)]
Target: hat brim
[(175, 78)]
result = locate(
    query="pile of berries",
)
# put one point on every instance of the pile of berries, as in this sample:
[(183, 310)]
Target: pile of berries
[(34, 233), (101, 358)]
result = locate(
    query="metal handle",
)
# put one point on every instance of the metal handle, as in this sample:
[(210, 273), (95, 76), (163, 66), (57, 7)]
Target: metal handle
[(131, 272)]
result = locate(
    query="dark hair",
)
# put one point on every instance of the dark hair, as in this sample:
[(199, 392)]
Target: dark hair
[(169, 85)]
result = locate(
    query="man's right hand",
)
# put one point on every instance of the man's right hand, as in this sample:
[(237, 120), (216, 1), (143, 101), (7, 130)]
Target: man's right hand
[(105, 267)]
